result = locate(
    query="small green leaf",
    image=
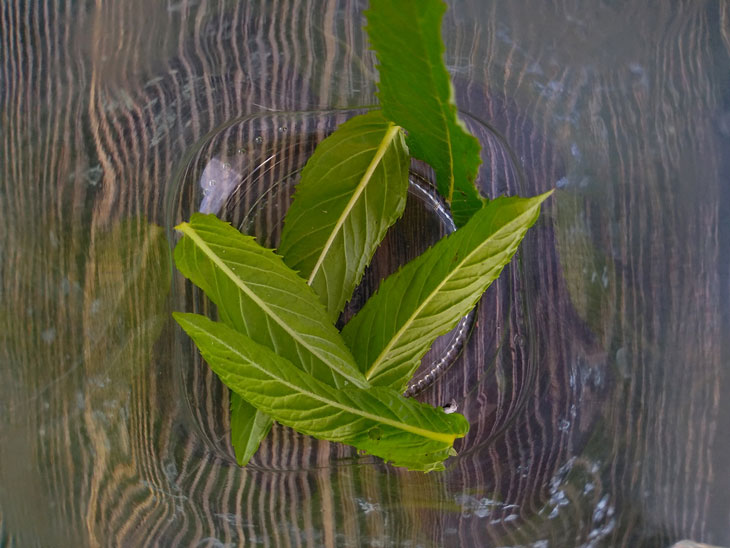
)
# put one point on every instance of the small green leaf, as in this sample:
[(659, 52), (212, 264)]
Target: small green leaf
[(248, 427), (428, 296), (352, 189), (377, 420), (416, 93)]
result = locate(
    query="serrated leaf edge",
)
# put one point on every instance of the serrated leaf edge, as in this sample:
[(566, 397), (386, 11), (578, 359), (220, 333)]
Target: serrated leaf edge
[(381, 357), (389, 136), (428, 434), (190, 232)]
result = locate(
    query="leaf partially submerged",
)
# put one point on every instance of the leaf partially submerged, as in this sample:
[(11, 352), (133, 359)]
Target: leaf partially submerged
[(276, 347), (415, 92), (428, 296), (352, 189), (377, 420), (257, 294), (248, 427)]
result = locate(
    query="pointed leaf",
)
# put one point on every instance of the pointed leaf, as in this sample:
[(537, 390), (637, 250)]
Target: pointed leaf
[(252, 288), (377, 420), (415, 92), (352, 189), (248, 427), (257, 294), (428, 296)]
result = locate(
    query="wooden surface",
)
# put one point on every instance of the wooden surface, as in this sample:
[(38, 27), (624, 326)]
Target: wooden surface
[(595, 382)]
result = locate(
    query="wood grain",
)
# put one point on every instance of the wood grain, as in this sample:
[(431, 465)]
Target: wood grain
[(596, 375)]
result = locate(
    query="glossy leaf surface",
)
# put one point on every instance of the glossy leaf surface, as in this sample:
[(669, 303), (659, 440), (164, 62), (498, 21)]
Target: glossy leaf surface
[(428, 296), (377, 420)]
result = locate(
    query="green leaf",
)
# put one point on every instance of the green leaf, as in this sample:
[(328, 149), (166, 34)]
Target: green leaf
[(352, 189), (378, 420), (257, 294), (428, 296), (416, 93), (248, 427)]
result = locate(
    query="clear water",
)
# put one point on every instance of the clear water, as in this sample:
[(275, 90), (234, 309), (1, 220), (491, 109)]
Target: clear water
[(595, 384)]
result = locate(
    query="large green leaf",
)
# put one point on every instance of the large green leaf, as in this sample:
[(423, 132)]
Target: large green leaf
[(416, 93), (352, 189), (378, 420), (428, 296), (257, 294)]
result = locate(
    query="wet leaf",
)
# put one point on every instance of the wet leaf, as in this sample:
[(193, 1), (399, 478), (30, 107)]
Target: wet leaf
[(377, 420), (428, 296), (352, 189), (416, 93)]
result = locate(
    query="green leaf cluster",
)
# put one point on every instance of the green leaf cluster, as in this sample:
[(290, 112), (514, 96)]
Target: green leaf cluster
[(376, 420), (276, 346)]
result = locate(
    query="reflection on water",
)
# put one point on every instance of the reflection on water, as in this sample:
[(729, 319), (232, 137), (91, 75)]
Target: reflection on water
[(217, 183), (618, 301)]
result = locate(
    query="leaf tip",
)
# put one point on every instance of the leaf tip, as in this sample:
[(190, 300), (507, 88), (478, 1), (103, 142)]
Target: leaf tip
[(184, 320), (182, 227), (545, 195)]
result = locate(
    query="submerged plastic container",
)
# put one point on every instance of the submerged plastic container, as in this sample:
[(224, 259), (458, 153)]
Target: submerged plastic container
[(246, 174)]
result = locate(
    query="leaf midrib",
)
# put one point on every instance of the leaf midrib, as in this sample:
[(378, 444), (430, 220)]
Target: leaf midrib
[(390, 134), (428, 434), (442, 113), (189, 231), (375, 367), (444, 119)]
